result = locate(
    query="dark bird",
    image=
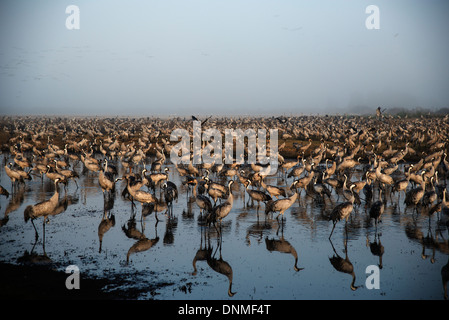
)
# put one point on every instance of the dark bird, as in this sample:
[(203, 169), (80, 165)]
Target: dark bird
[(377, 209), (341, 211), (170, 194)]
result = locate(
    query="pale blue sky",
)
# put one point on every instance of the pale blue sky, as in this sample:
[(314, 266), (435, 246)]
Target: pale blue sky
[(228, 57)]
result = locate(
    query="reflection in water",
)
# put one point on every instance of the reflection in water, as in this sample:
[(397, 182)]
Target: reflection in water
[(14, 203), (376, 248), (203, 252), (149, 208), (445, 277), (131, 231), (170, 226), (221, 266), (282, 245), (258, 230), (143, 244), (206, 253), (343, 265), (429, 241), (32, 258), (4, 192), (241, 225), (107, 222)]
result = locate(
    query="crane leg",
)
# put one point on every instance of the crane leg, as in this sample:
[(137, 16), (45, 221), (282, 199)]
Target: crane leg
[(332, 230), (35, 230)]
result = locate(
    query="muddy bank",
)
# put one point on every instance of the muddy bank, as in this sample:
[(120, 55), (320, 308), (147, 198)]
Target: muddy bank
[(23, 282)]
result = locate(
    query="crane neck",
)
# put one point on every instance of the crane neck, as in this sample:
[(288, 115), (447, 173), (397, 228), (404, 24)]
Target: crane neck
[(194, 189), (353, 287)]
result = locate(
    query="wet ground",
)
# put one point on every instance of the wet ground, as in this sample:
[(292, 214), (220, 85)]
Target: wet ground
[(178, 257)]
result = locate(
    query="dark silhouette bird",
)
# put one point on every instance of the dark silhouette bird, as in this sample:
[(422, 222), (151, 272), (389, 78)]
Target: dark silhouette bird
[(170, 194), (340, 212), (377, 208), (203, 122)]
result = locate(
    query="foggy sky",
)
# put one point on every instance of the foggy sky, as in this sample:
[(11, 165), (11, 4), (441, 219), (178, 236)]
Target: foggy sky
[(234, 57)]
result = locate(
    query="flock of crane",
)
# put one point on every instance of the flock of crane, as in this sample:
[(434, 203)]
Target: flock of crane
[(395, 155)]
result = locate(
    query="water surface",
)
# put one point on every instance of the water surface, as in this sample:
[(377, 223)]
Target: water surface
[(269, 260)]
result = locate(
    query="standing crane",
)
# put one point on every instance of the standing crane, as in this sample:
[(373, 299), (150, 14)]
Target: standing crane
[(341, 211), (414, 196), (281, 205), (257, 195), (222, 210), (377, 209), (42, 209)]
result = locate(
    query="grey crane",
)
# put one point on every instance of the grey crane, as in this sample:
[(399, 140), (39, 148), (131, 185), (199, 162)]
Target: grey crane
[(281, 205), (401, 185), (377, 209), (202, 201), (430, 196), (273, 190), (414, 196), (140, 195), (54, 175), (257, 195), (222, 210), (341, 211), (67, 173), (42, 209), (13, 175), (106, 179)]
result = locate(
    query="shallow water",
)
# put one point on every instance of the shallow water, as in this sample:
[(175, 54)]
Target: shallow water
[(415, 246)]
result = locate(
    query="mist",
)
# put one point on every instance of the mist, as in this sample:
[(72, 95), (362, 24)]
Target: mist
[(148, 58)]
